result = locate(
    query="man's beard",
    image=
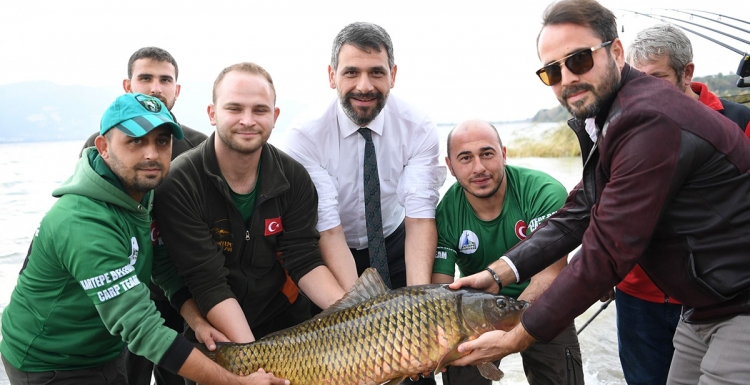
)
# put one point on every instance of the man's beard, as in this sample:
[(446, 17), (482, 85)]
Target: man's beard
[(603, 95), (487, 194), (130, 179), (362, 118), (226, 136), (165, 102)]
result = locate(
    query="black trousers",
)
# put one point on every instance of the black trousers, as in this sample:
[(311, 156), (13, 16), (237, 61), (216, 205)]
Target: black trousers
[(110, 373)]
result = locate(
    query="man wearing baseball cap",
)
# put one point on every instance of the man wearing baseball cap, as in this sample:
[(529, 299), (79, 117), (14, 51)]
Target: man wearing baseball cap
[(153, 71), (82, 294)]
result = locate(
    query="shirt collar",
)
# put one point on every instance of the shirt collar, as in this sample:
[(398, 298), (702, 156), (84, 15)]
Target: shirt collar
[(347, 127), (591, 128), (706, 96)]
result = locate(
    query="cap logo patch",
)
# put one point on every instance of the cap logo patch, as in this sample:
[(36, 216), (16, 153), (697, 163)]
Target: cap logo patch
[(149, 103)]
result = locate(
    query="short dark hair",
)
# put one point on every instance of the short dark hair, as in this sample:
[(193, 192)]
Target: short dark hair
[(365, 36), (587, 13), (246, 67), (153, 53)]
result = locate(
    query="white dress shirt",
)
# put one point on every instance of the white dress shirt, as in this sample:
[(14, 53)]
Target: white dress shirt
[(407, 147)]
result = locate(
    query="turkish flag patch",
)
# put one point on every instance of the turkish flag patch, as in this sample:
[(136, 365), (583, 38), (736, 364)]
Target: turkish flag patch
[(273, 226)]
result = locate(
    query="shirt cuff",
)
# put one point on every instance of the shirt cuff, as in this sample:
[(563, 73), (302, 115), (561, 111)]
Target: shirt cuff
[(512, 267), (176, 354)]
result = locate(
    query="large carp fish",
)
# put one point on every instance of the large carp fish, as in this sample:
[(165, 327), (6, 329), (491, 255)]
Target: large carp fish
[(375, 336)]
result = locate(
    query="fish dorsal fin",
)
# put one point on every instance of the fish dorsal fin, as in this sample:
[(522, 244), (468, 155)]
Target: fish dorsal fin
[(489, 371), (369, 285), (449, 357)]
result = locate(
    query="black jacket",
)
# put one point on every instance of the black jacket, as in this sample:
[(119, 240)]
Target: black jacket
[(217, 256), (666, 186), (737, 113)]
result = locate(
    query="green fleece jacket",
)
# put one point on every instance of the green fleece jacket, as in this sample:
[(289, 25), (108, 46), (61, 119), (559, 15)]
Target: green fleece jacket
[(82, 294)]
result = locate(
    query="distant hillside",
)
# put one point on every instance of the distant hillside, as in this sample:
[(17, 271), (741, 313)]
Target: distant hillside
[(723, 85), (44, 111)]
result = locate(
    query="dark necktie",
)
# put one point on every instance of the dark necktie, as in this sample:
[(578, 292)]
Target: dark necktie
[(373, 214)]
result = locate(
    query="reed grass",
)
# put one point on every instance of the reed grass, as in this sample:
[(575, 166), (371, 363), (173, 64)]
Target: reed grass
[(554, 143)]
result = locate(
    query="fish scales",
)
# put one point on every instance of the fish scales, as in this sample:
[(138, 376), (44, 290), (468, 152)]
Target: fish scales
[(401, 332), (360, 341)]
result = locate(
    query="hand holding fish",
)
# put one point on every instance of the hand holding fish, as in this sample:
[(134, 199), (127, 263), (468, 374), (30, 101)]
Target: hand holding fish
[(376, 336), (485, 280), (209, 336), (261, 377), (494, 345)]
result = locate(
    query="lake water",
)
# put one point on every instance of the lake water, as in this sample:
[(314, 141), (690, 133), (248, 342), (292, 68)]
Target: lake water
[(30, 171)]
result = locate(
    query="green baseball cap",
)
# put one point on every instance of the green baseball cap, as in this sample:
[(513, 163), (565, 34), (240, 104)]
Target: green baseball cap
[(136, 115)]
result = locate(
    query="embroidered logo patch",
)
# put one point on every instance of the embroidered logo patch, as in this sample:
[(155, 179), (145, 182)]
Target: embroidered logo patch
[(468, 243), (134, 251), (155, 235), (273, 226), (521, 230), (150, 103)]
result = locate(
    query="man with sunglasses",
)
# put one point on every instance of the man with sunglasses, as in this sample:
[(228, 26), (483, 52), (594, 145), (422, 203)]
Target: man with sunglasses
[(666, 185), (647, 317)]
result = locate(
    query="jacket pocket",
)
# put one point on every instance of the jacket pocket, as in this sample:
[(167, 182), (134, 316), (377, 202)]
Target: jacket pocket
[(574, 367)]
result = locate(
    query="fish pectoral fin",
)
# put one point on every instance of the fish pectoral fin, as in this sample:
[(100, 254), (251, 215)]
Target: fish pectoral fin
[(395, 381), (489, 371), (369, 285), (449, 357)]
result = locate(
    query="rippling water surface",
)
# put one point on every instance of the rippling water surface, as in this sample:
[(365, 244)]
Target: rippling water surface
[(30, 171)]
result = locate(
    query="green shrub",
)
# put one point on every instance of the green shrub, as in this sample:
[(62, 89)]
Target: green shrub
[(554, 143)]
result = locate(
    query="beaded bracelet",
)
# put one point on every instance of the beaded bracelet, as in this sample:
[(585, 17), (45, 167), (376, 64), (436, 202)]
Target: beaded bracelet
[(496, 278)]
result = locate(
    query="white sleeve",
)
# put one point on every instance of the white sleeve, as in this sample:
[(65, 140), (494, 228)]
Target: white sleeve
[(419, 186), (512, 267), (305, 150)]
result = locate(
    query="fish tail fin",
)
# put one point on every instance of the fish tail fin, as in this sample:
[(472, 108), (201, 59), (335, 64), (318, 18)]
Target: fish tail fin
[(489, 371)]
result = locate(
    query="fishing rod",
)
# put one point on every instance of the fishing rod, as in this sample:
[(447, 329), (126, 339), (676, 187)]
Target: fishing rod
[(654, 16), (743, 70), (604, 306), (708, 18), (724, 16)]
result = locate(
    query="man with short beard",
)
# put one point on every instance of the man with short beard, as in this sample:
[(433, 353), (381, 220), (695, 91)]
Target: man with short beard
[(238, 218), (153, 71), (647, 317), (666, 185), (332, 141), (82, 295)]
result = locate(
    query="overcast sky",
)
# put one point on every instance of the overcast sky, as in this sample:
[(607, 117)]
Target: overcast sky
[(456, 59)]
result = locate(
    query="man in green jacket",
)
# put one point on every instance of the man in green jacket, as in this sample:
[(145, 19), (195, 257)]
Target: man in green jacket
[(154, 71), (82, 294)]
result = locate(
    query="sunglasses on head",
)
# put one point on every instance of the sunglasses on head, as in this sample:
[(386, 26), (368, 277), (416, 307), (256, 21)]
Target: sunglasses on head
[(578, 62)]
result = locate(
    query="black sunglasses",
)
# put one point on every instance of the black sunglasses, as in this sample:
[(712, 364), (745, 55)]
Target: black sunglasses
[(578, 62)]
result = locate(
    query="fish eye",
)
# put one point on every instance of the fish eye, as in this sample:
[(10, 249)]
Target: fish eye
[(501, 303)]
